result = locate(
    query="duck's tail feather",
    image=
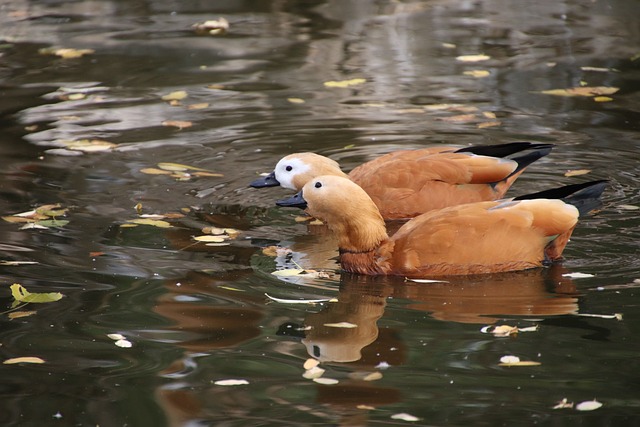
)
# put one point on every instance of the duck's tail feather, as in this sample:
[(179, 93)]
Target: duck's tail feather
[(584, 196)]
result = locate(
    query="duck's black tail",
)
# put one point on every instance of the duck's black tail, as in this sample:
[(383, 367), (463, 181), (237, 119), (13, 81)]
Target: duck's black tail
[(527, 152), (584, 196)]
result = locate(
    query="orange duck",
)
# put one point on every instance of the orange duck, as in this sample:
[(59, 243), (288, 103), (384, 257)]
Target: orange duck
[(475, 238), (406, 183)]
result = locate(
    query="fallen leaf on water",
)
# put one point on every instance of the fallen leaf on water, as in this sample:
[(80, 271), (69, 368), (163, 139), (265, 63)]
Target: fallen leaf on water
[(404, 417), (366, 376), (599, 69), (33, 225), (326, 381), (154, 171), (123, 343), (515, 361), (302, 218), (314, 372), (316, 221), (152, 222), (426, 280), (345, 325), (310, 363), (485, 125), (206, 174), (459, 118), (180, 124), (563, 404), (48, 223), (66, 53), (199, 106), (344, 83), (477, 73), (209, 239), (629, 207), (275, 251), (296, 100), (175, 96), (288, 272), (577, 172), (472, 58), (15, 263), (501, 330), (297, 301), (19, 314), (589, 405), (116, 337), (89, 145), (20, 294), (578, 275), (25, 359), (231, 382), (214, 27), (582, 91)]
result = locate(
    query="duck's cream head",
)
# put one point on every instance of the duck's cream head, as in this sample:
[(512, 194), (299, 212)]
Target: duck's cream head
[(346, 208), (295, 170)]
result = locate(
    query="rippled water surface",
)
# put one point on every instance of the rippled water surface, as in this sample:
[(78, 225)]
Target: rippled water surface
[(198, 314)]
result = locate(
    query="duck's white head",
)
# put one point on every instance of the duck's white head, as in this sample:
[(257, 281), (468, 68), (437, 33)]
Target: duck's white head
[(295, 170)]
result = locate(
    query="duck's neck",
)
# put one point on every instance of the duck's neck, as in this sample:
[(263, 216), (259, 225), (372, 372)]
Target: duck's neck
[(358, 241)]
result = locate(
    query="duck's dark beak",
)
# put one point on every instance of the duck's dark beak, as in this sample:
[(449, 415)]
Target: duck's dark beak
[(296, 201), (265, 181)]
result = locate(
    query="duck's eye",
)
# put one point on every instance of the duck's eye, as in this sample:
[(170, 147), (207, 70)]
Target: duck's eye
[(318, 184), (289, 168)]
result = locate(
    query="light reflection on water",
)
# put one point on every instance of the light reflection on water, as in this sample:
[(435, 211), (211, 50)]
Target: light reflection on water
[(198, 314)]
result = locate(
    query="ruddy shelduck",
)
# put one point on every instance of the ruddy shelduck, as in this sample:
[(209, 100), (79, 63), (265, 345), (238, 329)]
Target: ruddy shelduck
[(406, 183), (475, 238)]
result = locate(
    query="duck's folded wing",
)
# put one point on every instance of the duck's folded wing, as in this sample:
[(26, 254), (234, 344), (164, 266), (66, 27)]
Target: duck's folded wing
[(481, 238)]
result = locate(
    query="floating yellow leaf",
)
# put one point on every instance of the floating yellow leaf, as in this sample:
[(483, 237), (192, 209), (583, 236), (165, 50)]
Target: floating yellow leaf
[(602, 99), (296, 100), (199, 106), (477, 73), (489, 114), (598, 69), (180, 124), (315, 372), (14, 263), (582, 91), (472, 58), (310, 363), (209, 239), (484, 125), (577, 172), (206, 174), (303, 218), (344, 83), (20, 294), (154, 171), (25, 359), (89, 145), (152, 222), (66, 53), (175, 96)]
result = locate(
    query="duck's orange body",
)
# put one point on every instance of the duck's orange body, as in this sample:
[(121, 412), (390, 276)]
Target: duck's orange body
[(406, 183), (477, 238)]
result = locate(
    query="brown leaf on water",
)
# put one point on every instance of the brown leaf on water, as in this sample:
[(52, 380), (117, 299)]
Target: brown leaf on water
[(477, 73), (151, 222), (155, 171), (206, 174), (20, 314), (577, 172), (582, 91), (461, 118), (199, 106), (484, 125), (180, 124)]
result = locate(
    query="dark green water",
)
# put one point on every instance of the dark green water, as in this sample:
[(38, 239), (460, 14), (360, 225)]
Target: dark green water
[(198, 314)]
